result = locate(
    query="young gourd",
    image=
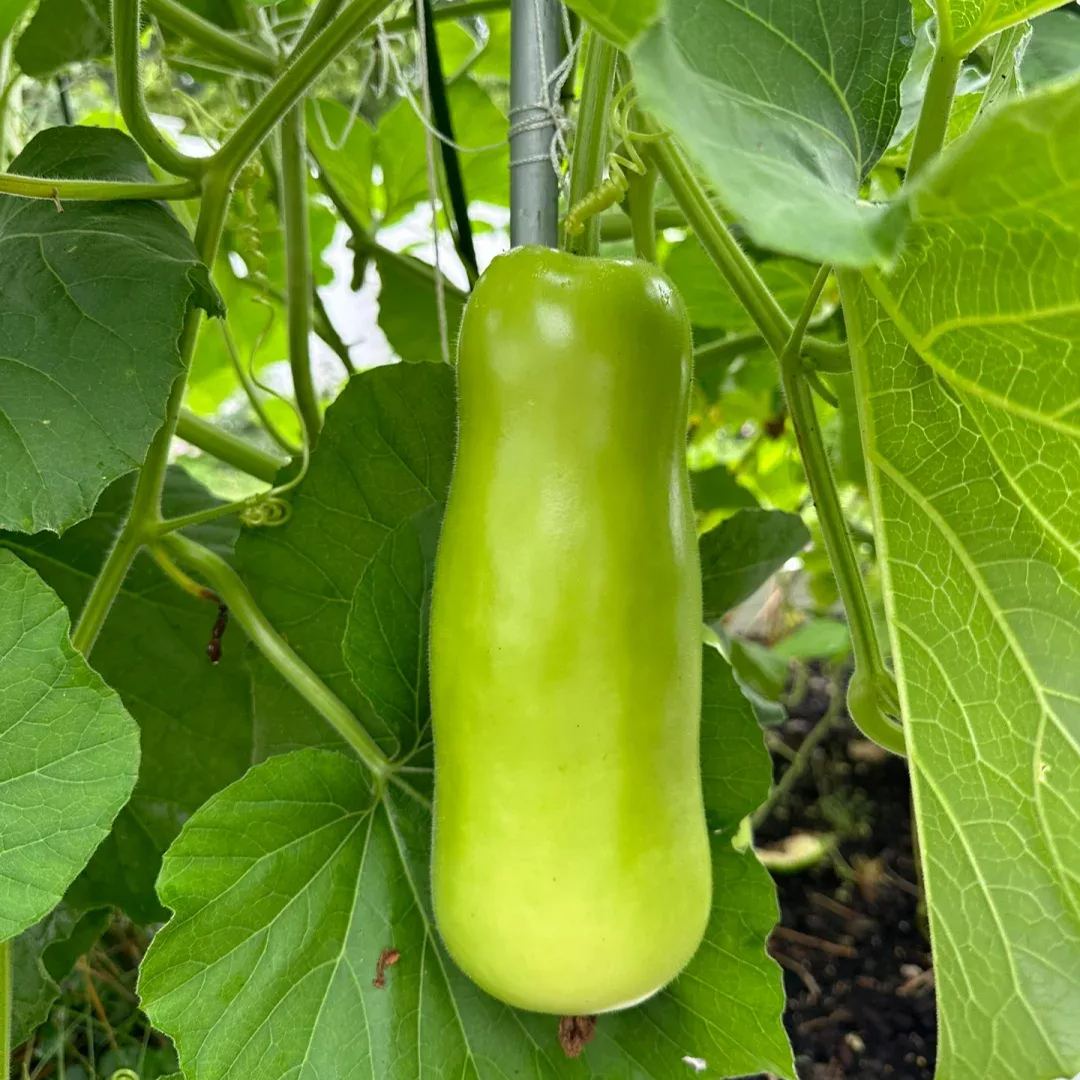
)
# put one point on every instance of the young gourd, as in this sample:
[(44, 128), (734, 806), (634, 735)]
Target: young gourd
[(571, 869)]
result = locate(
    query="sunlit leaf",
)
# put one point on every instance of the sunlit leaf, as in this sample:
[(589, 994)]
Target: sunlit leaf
[(965, 370)]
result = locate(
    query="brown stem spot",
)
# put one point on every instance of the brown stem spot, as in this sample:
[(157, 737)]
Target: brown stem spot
[(387, 958), (213, 649), (575, 1033)]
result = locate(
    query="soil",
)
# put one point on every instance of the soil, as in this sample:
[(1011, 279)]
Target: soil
[(851, 939)]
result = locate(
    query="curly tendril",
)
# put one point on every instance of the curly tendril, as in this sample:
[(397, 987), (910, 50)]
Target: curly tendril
[(613, 189), (265, 511)]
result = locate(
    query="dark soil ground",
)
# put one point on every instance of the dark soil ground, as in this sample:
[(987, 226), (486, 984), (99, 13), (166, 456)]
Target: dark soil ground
[(857, 963)]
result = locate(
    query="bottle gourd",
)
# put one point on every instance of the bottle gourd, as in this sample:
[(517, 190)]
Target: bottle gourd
[(570, 869)]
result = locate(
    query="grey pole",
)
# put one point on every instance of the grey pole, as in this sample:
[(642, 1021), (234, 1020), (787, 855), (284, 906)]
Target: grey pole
[(535, 51)]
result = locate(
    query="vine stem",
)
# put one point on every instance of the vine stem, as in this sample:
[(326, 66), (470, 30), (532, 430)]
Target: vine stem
[(145, 510), (41, 187), (715, 237), (868, 701), (640, 202), (224, 580), (228, 46), (933, 124), (298, 283), (730, 259), (231, 449), (126, 27), (590, 144)]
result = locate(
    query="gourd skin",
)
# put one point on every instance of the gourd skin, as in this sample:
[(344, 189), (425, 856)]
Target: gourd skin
[(570, 870)]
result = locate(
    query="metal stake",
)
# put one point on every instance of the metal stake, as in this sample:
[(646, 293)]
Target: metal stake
[(535, 51)]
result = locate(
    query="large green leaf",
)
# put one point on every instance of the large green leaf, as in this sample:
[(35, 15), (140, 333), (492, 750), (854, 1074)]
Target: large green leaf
[(63, 32), (94, 299), (69, 752), (383, 456), (966, 371), (786, 106), (195, 718), (288, 886), (741, 553), (962, 24), (324, 874)]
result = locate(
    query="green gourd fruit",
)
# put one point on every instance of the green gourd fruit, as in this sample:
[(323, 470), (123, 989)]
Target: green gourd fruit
[(571, 870)]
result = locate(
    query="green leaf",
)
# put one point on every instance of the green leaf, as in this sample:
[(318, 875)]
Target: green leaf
[(717, 489), (63, 32), (479, 128), (69, 752), (408, 307), (1054, 49), (494, 61), (729, 731), (709, 298), (966, 372), (330, 880), (962, 24), (94, 299), (195, 718), (620, 21), (383, 456), (386, 632), (743, 552), (759, 669), (786, 107), (42, 956), (815, 639), (344, 146)]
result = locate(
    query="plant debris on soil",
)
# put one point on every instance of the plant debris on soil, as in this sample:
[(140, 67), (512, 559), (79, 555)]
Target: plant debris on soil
[(857, 969)]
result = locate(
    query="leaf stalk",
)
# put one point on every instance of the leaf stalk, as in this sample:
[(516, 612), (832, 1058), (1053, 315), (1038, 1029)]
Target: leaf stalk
[(228, 585)]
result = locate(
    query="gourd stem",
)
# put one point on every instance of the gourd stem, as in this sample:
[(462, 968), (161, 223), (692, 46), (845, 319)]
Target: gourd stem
[(234, 451), (224, 580), (870, 667), (145, 508), (937, 102), (590, 143), (730, 259), (715, 237), (125, 17), (298, 282), (210, 36), (61, 191), (640, 201)]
